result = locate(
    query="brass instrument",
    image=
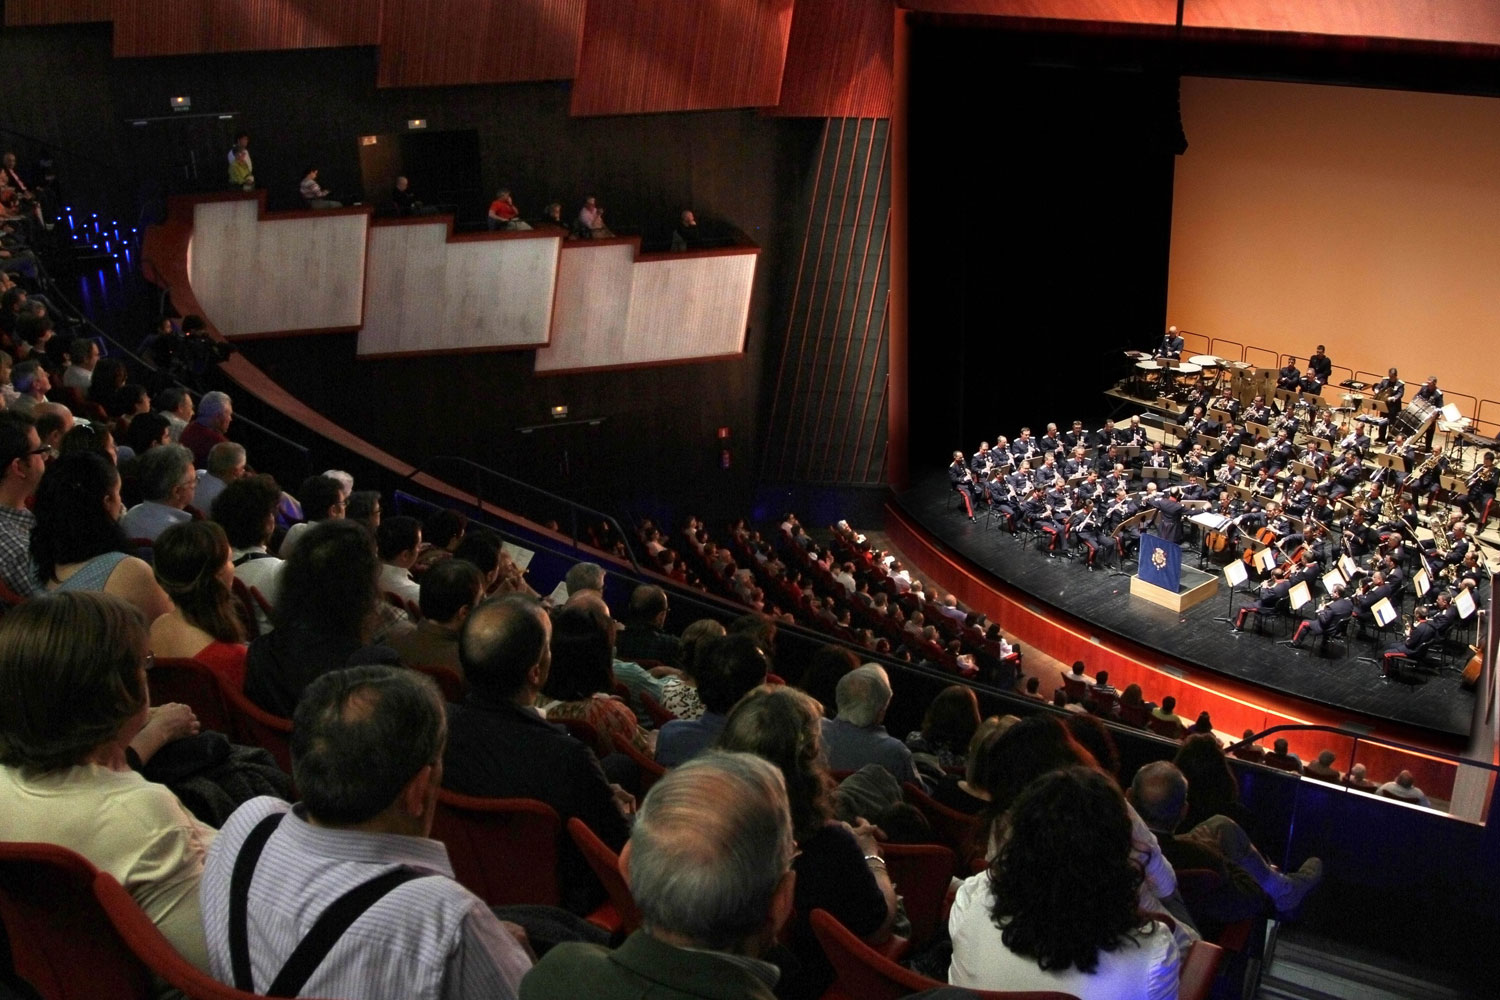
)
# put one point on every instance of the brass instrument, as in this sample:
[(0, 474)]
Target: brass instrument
[(1483, 474)]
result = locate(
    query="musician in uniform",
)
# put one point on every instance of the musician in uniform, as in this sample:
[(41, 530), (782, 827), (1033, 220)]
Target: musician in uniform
[(1374, 590), (1433, 397), (1392, 390), (1156, 458), (1331, 614), (1023, 447), (1191, 426), (1169, 513), (1272, 593), (1171, 345), (1046, 472), (1077, 437), (1105, 436), (1260, 412), (1316, 457), (1356, 439), (1050, 443), (1195, 463), (1002, 496), (1444, 614), (1426, 479), (1421, 635), (1481, 484), (1399, 447), (1226, 402), (1319, 368), (1087, 531), (1347, 476), (1359, 538), (1290, 376), (963, 481), (1107, 459), (1134, 434), (1265, 485), (1038, 515), (982, 461)]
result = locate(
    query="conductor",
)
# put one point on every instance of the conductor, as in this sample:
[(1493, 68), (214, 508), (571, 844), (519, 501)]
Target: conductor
[(1169, 510)]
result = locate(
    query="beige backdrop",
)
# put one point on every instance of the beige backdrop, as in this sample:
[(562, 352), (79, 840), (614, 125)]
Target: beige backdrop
[(1367, 220)]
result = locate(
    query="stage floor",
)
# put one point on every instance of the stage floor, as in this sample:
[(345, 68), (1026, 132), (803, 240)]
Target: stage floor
[(1193, 637)]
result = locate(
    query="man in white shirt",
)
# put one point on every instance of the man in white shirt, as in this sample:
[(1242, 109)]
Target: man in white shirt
[(246, 510), (398, 540)]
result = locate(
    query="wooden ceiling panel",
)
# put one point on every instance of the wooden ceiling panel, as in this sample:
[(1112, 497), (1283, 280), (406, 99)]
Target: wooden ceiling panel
[(838, 62), (426, 43), (184, 27)]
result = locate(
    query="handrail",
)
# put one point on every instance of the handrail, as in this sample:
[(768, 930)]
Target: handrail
[(1365, 737), (573, 506)]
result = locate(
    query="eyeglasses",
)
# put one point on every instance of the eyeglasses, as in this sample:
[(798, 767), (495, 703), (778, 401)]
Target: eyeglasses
[(150, 660), (46, 451)]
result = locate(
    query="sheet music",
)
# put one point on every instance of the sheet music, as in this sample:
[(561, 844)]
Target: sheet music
[(1383, 611), (1265, 559), (1464, 602), (1422, 582), (1333, 578), (1299, 595), (1348, 567), (1236, 572)]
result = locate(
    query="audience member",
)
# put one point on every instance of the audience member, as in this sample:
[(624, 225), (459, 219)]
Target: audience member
[(839, 867), (1282, 758), (226, 463), (827, 667), (1357, 779), (32, 383), (90, 437), (77, 542), (322, 499), (1094, 737), (192, 566), (1167, 714), (323, 616), (727, 669), (714, 885), (581, 683), (1057, 907), (53, 421), (313, 194), (947, 727), (591, 220), (1405, 789), (1323, 768), (686, 235), (500, 746), (679, 691), (1212, 788), (144, 432), (168, 483), (450, 592), (83, 355), (246, 509), (22, 462), (176, 405), (363, 507), (397, 541), (442, 533), (856, 737), (644, 636), (76, 709), (367, 754), (503, 213), (215, 413)]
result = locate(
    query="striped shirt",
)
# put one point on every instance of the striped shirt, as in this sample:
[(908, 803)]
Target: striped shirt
[(428, 938)]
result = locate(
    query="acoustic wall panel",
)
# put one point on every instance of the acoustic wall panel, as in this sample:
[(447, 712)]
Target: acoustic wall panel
[(838, 61), (425, 293), (426, 43), (300, 272), (184, 27), (592, 311), (667, 55), (19, 13)]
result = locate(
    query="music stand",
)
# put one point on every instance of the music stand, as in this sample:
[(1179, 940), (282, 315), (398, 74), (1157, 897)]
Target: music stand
[(1421, 582), (1258, 429), (1222, 416), (1209, 443), (1384, 612), (1142, 518), (1397, 462), (1154, 473), (1236, 575), (1348, 567), (1333, 578), (1265, 559), (1464, 602), (1299, 595)]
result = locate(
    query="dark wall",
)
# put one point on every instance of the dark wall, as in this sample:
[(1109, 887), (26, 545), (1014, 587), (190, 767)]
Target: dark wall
[(311, 107), (1040, 220)]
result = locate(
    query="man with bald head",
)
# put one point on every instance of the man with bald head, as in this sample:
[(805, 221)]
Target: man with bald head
[(710, 865), (857, 736), (499, 746), (53, 421)]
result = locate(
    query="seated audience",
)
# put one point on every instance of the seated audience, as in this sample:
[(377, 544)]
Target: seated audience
[(215, 413), (226, 463), (246, 510), (146, 431), (943, 741), (1356, 779), (1282, 758), (1212, 788), (1057, 907), (856, 736), (1405, 789), (1167, 713), (110, 375), (839, 867), (90, 437), (363, 506), (367, 754), (500, 746), (176, 405), (714, 886), (322, 499), (581, 683), (1323, 768), (397, 541), (83, 355), (313, 194), (727, 669), (450, 592), (687, 235), (591, 220), (76, 709), (192, 565), (827, 667), (53, 421), (644, 636), (442, 533), (168, 484), (503, 213), (323, 616), (32, 382), (679, 691), (22, 462), (77, 543)]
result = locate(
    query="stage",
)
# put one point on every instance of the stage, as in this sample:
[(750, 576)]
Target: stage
[(1437, 704)]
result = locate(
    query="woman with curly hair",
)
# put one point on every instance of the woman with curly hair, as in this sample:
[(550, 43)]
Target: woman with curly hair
[(192, 565), (1056, 909), (839, 867)]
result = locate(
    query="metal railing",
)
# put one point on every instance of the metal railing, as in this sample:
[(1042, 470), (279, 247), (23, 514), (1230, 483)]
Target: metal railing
[(494, 487)]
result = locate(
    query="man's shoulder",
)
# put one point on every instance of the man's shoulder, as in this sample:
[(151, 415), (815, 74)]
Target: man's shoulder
[(572, 969)]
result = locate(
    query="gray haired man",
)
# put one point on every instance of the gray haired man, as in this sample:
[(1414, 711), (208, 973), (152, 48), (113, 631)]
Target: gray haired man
[(710, 866)]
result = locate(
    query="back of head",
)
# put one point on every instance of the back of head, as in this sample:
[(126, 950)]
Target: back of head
[(1159, 794), (863, 694), (169, 399), (72, 524), (1030, 748), (448, 588), (397, 535), (359, 736), (502, 640), (245, 508), (1405, 780), (145, 432), (1169, 704), (952, 717), (444, 526), (582, 653), (710, 846), (1064, 882), (71, 666), (318, 495), (828, 666), (160, 470), (781, 725), (1279, 746), (1327, 757), (646, 602), (694, 638), (328, 582), (584, 576), (186, 560), (727, 669), (224, 458), (212, 406)]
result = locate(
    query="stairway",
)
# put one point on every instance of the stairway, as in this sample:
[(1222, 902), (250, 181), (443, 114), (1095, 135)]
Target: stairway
[(1306, 968)]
